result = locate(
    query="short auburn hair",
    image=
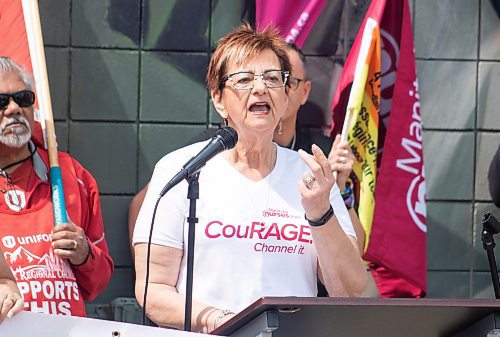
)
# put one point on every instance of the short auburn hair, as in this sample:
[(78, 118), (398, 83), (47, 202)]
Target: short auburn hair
[(243, 43)]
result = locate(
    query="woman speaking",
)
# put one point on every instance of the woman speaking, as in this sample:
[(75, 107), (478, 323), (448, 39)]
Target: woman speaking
[(270, 220)]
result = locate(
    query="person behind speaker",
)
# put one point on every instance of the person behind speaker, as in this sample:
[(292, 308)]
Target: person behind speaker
[(252, 236)]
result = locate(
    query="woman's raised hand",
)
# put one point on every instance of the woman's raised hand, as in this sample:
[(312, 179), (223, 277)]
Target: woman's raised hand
[(315, 189)]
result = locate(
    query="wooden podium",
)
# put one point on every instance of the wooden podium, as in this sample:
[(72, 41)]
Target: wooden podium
[(346, 317)]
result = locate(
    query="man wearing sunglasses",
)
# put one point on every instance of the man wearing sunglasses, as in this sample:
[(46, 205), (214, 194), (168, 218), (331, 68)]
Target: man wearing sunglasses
[(56, 268)]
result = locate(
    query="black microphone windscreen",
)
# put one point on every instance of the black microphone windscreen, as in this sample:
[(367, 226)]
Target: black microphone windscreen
[(228, 136)]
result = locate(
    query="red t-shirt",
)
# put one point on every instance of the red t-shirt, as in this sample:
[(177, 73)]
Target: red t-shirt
[(48, 283)]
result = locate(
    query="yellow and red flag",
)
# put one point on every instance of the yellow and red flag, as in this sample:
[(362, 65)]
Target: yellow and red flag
[(361, 121), (378, 95)]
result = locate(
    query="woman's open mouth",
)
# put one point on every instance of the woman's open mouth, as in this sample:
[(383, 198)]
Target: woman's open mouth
[(260, 108)]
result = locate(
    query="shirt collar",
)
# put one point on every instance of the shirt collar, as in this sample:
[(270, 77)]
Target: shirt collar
[(39, 166)]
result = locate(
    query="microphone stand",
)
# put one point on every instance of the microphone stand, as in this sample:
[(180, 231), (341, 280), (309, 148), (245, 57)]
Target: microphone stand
[(490, 227), (193, 195)]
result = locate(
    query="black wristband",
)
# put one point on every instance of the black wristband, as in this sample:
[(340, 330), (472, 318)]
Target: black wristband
[(324, 219)]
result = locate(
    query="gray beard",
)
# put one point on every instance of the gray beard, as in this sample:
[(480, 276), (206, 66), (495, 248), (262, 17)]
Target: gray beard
[(20, 137)]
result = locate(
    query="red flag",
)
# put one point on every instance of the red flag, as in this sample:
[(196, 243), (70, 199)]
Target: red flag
[(397, 242), (294, 18), (14, 41), (15, 45)]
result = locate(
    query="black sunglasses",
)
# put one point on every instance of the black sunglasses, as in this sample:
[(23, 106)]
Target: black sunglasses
[(23, 98)]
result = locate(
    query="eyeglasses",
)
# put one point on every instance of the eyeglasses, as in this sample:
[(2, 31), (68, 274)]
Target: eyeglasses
[(295, 81), (23, 98), (245, 80)]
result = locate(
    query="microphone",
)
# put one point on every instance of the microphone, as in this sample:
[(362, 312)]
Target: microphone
[(224, 139)]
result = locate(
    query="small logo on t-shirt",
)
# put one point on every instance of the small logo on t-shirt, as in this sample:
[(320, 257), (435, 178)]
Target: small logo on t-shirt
[(15, 199), (280, 213), (9, 241)]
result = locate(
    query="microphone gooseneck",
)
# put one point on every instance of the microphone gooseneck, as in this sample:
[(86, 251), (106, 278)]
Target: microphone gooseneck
[(224, 139)]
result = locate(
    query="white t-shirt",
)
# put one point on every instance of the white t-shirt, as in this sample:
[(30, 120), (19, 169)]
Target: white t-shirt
[(251, 238)]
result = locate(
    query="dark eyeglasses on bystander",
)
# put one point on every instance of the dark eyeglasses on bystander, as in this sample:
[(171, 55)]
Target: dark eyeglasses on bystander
[(23, 98)]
